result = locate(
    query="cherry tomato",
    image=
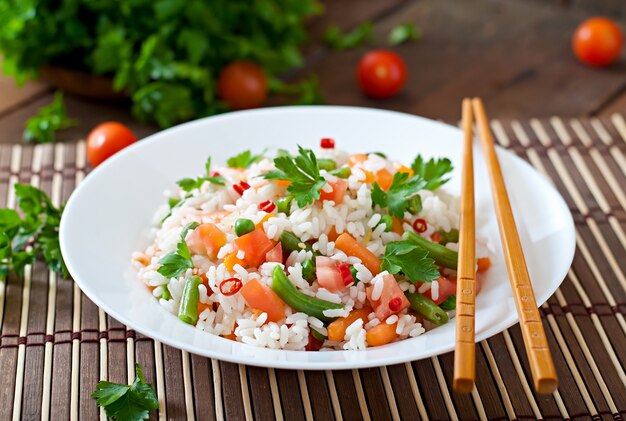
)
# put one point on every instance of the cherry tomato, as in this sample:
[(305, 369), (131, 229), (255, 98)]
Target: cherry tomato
[(242, 84), (107, 139), (598, 42), (381, 74)]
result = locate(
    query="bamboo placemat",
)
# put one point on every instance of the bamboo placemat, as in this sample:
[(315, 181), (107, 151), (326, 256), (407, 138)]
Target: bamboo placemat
[(55, 344)]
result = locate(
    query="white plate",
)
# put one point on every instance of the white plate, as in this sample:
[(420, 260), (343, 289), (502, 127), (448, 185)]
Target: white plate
[(108, 216)]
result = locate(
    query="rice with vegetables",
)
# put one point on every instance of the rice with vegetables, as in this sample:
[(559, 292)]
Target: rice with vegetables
[(308, 250)]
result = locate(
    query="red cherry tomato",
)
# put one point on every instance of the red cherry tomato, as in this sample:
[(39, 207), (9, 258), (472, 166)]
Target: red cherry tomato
[(598, 42), (381, 74), (242, 84), (107, 139)]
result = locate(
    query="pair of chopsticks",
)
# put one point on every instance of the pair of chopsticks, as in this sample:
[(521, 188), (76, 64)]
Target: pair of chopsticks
[(537, 350)]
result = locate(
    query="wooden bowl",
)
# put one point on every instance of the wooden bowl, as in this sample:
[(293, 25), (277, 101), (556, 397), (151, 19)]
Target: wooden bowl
[(81, 83)]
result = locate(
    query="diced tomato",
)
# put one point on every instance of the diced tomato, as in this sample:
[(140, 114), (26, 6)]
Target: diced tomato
[(339, 190), (346, 274), (384, 179), (314, 344), (447, 288), (275, 254), (260, 296), (255, 245), (206, 239), (328, 274), (391, 301)]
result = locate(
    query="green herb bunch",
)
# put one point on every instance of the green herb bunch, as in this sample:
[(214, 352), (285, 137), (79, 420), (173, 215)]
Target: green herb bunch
[(166, 54)]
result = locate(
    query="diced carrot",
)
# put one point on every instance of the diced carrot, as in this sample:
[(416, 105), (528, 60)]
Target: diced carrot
[(202, 307), (397, 225), (346, 243), (281, 183), (356, 159), (151, 288), (483, 263), (332, 234), (403, 169), (264, 219), (337, 329), (230, 260), (206, 239), (231, 336), (256, 312), (255, 245), (369, 177), (338, 192), (260, 296), (384, 179), (436, 237), (381, 334)]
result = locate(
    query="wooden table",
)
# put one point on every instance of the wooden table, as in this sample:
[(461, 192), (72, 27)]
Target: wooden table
[(515, 54)]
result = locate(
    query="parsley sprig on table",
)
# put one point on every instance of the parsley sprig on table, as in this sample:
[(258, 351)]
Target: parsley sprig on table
[(188, 184), (428, 175), (35, 233), (302, 172), (176, 262), (244, 159), (127, 402), (50, 118), (410, 259)]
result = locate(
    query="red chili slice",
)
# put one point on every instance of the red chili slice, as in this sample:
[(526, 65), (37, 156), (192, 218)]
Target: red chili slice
[(327, 143), (267, 206), (420, 225), (394, 304), (230, 286), (346, 275), (241, 187)]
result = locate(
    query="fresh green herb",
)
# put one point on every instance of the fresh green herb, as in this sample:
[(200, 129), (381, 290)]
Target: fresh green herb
[(283, 204), (51, 118), (404, 33), (433, 171), (307, 91), (188, 184), (23, 239), (176, 262), (127, 402), (415, 204), (303, 174), (410, 259), (244, 160), (337, 40), (353, 271), (397, 197), (163, 54), (387, 221)]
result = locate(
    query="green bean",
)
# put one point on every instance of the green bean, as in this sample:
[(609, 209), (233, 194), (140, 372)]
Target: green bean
[(284, 204), (290, 243), (188, 309), (388, 221), (312, 306), (326, 164), (308, 270), (165, 294), (343, 172), (443, 256), (318, 335), (243, 226), (382, 155), (449, 304), (415, 204), (427, 308)]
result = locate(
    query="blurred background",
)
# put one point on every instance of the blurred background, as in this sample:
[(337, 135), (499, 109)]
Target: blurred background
[(153, 64)]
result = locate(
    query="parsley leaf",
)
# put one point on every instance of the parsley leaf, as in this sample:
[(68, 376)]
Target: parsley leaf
[(338, 41), (127, 402), (397, 197), (302, 172), (49, 119), (188, 184), (176, 262), (404, 33), (243, 160), (433, 171), (23, 239), (410, 259)]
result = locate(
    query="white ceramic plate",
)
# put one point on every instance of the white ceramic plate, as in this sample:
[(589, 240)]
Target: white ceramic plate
[(108, 216)]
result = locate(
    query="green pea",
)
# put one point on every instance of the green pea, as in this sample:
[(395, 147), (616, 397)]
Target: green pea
[(243, 226), (326, 164), (415, 204), (343, 172), (284, 204), (308, 270), (353, 271), (386, 219)]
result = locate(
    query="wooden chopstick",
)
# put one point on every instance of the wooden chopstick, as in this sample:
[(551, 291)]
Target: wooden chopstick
[(539, 357), (464, 348)]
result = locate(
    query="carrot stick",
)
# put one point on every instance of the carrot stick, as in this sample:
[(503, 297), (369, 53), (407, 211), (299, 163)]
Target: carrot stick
[(346, 243), (381, 334)]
